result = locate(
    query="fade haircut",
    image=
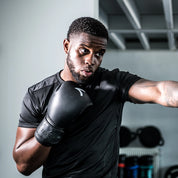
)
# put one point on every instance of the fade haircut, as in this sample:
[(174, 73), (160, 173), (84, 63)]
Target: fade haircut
[(87, 25)]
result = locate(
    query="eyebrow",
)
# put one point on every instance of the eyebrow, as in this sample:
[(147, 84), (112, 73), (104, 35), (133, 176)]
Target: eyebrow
[(84, 45), (88, 46)]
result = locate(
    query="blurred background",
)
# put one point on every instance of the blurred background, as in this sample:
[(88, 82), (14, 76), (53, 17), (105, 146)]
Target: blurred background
[(143, 41)]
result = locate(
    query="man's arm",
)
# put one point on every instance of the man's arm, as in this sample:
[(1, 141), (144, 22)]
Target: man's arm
[(33, 145), (164, 92), (28, 153)]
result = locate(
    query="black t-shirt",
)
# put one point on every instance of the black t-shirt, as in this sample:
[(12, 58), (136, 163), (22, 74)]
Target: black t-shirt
[(90, 146)]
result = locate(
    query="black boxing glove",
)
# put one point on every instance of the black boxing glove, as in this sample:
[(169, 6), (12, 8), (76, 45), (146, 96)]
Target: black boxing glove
[(66, 103)]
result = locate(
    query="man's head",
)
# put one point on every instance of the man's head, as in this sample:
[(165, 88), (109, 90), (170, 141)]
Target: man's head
[(85, 46), (87, 25)]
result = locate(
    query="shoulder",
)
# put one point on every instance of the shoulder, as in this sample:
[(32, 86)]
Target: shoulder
[(105, 78), (43, 89), (45, 83), (113, 75), (121, 79)]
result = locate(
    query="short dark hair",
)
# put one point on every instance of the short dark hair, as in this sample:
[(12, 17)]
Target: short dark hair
[(87, 25)]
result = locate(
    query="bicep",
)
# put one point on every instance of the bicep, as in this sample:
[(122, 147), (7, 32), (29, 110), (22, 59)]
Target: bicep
[(145, 91), (23, 135)]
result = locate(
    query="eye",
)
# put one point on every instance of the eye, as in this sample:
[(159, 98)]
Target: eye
[(83, 51), (100, 53)]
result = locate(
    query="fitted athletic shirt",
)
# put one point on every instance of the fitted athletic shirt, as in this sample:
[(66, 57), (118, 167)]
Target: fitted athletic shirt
[(90, 146)]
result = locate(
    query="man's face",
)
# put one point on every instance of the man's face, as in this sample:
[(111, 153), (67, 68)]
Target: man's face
[(84, 55)]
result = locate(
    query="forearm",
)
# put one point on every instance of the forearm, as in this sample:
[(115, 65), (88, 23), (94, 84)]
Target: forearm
[(29, 155), (169, 93), (164, 92)]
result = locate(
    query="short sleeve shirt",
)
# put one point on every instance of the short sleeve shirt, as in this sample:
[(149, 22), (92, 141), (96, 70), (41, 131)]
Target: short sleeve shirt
[(90, 145)]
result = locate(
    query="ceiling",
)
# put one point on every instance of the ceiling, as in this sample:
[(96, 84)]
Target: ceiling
[(141, 24)]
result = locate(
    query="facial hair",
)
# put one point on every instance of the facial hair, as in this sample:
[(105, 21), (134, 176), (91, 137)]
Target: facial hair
[(76, 75)]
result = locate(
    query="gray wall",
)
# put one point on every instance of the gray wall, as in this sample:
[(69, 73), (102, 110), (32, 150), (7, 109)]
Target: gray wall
[(31, 37), (152, 65)]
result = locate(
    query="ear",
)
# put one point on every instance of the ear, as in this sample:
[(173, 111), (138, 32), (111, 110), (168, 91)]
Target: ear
[(66, 45)]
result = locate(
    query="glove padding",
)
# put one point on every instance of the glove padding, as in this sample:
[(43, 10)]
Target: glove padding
[(66, 103)]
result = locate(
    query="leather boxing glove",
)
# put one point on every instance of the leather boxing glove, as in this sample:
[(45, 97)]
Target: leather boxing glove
[(66, 103)]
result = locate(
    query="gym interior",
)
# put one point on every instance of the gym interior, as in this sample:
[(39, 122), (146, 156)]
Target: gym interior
[(143, 40)]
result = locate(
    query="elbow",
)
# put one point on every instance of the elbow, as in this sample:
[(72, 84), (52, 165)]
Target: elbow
[(24, 169)]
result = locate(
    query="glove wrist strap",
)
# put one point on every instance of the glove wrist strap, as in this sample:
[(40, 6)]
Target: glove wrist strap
[(47, 134)]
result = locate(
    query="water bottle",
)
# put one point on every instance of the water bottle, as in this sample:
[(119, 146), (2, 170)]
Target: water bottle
[(131, 167), (121, 166), (146, 166)]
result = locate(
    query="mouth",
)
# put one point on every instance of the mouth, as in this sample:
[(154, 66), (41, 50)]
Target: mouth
[(86, 73)]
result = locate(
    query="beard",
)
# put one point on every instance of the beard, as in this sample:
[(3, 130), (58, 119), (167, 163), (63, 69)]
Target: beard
[(79, 78)]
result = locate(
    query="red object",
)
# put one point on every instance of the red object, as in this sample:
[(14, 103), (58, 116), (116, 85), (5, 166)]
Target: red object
[(121, 165)]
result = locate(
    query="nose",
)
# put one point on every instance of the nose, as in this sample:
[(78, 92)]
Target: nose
[(90, 59)]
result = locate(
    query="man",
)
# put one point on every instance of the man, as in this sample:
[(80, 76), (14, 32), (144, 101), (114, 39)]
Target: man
[(70, 121)]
